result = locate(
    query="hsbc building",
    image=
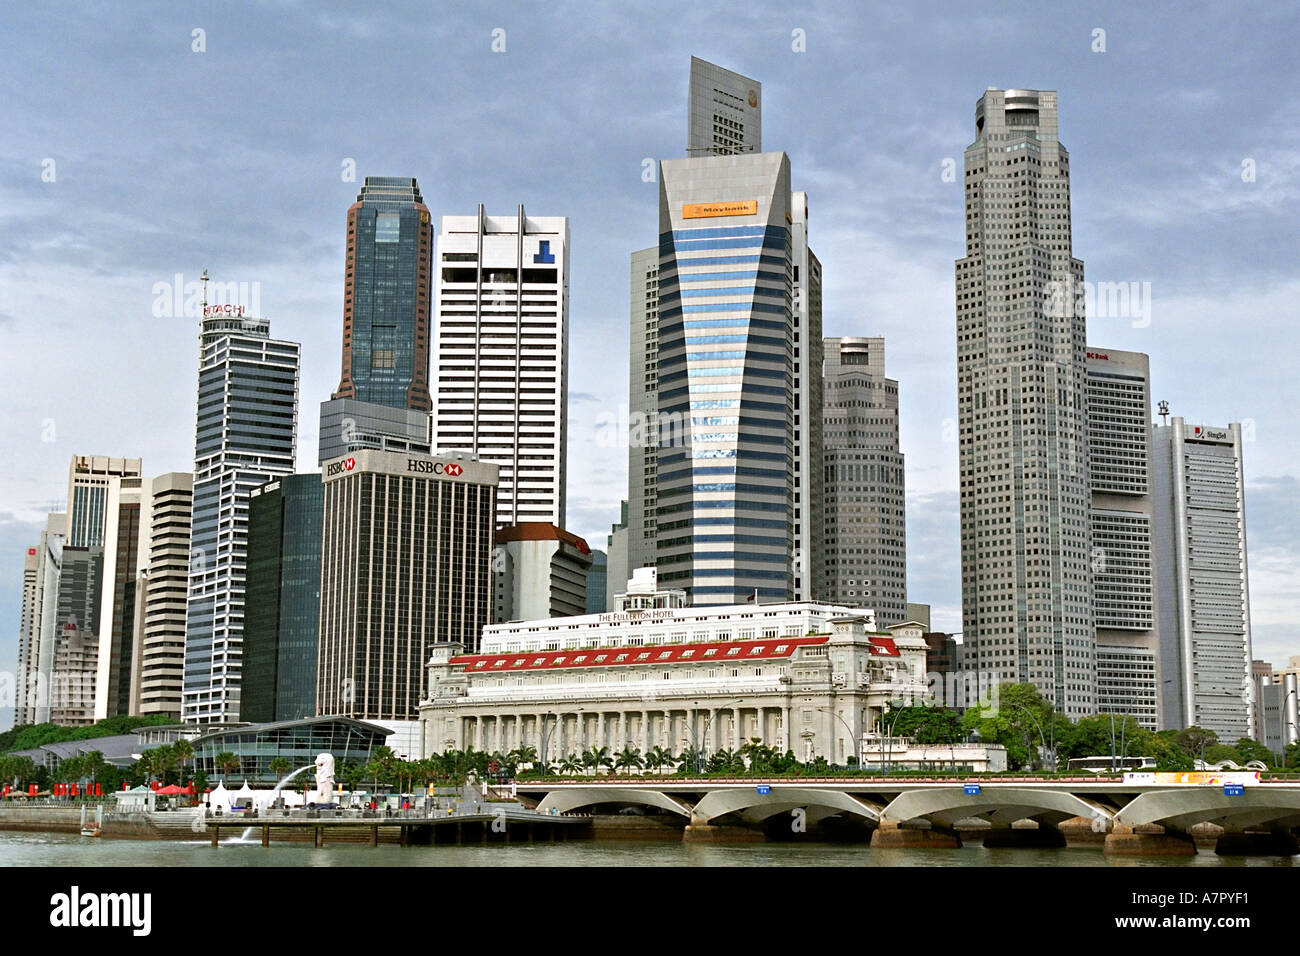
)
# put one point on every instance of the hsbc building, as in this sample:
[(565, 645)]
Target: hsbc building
[(405, 564)]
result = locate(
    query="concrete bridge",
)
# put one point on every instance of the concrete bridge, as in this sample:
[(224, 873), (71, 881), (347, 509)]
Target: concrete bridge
[(1135, 818)]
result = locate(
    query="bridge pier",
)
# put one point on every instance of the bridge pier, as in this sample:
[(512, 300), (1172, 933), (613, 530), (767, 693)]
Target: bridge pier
[(216, 831), (890, 835), (1124, 840), (266, 836), (711, 833), (1235, 842), (1043, 836), (320, 836)]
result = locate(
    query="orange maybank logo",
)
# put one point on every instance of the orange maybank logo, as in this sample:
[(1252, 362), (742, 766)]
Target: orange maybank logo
[(709, 210)]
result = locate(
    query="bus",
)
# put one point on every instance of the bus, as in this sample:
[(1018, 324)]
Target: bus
[(1109, 764)]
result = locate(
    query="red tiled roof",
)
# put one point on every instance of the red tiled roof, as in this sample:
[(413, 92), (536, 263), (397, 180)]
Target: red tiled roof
[(748, 650), (771, 647)]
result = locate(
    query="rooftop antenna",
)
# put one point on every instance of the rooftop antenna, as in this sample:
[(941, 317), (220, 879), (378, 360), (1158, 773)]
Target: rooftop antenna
[(204, 279), (1164, 412)]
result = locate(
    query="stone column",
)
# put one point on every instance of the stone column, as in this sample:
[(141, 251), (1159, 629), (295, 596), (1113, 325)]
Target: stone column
[(786, 735), (645, 732), (735, 727)]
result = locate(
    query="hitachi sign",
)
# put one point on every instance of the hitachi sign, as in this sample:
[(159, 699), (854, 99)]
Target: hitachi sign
[(425, 467)]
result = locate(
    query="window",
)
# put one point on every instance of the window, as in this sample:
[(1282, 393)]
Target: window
[(686, 654), (388, 227), (733, 652), (710, 652)]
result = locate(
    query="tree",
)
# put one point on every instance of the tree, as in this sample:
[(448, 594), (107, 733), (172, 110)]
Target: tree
[(1003, 720), (1254, 750), (184, 751), (628, 759), (278, 766), (1291, 756), (225, 761), (657, 758), (597, 757), (163, 760), (1195, 740), (688, 760), (925, 725), (571, 764)]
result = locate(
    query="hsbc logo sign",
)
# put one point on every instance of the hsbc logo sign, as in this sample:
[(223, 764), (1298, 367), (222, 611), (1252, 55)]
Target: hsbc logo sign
[(338, 467), (422, 467)]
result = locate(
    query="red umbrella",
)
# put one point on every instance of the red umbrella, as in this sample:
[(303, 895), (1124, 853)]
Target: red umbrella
[(171, 790)]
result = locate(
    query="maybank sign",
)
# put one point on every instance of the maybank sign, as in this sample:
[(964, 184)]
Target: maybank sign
[(712, 210)]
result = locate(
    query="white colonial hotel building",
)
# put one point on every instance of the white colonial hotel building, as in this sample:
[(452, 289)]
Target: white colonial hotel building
[(806, 677)]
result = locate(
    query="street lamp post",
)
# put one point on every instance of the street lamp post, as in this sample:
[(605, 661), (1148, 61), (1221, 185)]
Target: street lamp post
[(699, 754), (857, 748), (546, 736), (1041, 739), (889, 740)]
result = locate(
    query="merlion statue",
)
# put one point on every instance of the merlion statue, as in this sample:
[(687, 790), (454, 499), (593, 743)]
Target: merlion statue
[(324, 778)]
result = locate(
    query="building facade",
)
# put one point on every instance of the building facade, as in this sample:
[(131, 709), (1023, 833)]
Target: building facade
[(865, 517), (1123, 527), (1022, 411), (282, 601), (158, 652), (245, 435), (45, 631), (1203, 593), (406, 565), (503, 355), (28, 635), (724, 112), (643, 411), (809, 579), (539, 570), (725, 508), (803, 677)]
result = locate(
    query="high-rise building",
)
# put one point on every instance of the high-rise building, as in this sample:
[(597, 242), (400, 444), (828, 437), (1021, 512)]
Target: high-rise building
[(865, 526), (725, 510), (725, 112), (1202, 588), (282, 601), (503, 355), (618, 543), (597, 582), (76, 645), (386, 296), (1277, 704), (158, 650), (1022, 410), (45, 628), (809, 498), (245, 436), (383, 396), (1123, 519), (406, 563), (28, 634), (539, 571), (643, 413)]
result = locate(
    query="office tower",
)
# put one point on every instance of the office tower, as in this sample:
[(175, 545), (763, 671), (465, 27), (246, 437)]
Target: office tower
[(406, 561), (45, 631), (383, 396), (865, 530), (725, 515), (1123, 517), (597, 583), (618, 570), (117, 621), (503, 355), (245, 435), (725, 112), (1202, 588), (158, 651), (539, 571), (809, 497), (643, 413), (76, 645), (28, 635), (282, 602), (1022, 426), (1278, 706), (386, 296)]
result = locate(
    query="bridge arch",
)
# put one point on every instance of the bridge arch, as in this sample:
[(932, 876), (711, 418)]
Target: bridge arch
[(754, 807), (1188, 806), (568, 799), (1001, 805)]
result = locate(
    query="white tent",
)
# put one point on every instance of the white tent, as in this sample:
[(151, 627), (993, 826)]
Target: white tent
[(244, 796), (219, 799)]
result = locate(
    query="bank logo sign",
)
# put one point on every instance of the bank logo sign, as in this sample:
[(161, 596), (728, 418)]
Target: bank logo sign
[(339, 467), (422, 467), (714, 210)]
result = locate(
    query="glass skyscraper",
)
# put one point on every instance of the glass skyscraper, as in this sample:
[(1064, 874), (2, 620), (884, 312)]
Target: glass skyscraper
[(386, 296), (282, 608), (725, 417), (245, 436)]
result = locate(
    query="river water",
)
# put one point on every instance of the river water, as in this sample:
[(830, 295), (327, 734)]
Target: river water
[(63, 849)]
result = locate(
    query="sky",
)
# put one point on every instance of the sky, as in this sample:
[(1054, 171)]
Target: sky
[(149, 141)]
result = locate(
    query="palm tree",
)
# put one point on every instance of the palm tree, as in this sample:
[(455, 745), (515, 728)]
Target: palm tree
[(571, 764), (523, 755), (225, 761), (597, 757), (184, 751), (628, 759), (688, 759), (92, 764), (657, 758), (144, 767), (164, 759), (279, 767)]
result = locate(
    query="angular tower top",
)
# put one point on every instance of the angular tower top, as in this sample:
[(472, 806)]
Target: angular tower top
[(725, 112)]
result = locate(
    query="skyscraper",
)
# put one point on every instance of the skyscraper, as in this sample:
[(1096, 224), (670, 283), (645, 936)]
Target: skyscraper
[(245, 436), (45, 627), (725, 512), (1022, 415), (282, 619), (725, 112), (406, 563), (643, 415), (865, 530), (28, 634), (809, 577), (1123, 517), (158, 652), (1201, 585), (503, 355), (386, 296)]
